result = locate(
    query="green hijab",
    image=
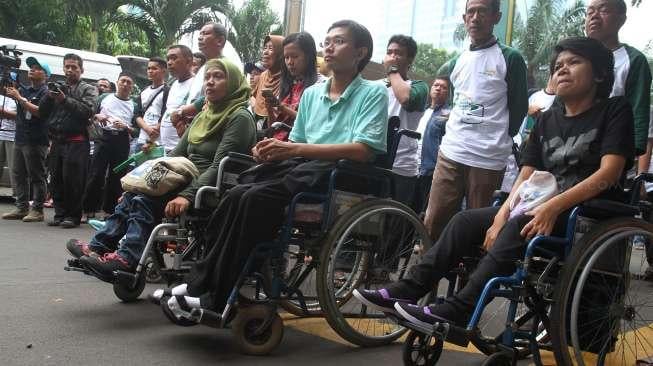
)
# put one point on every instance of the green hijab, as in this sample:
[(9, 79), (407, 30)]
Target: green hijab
[(213, 117)]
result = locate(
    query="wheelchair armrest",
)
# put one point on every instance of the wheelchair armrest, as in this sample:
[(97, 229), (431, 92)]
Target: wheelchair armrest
[(410, 134), (363, 168), (201, 191), (602, 208), (242, 157)]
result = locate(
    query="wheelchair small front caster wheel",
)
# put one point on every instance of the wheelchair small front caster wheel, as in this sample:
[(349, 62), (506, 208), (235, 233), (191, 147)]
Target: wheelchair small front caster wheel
[(498, 359), (257, 330), (421, 349), (127, 293), (152, 271)]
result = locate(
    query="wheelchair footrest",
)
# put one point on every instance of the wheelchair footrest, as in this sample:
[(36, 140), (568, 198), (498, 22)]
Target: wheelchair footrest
[(447, 332), (74, 265), (207, 317)]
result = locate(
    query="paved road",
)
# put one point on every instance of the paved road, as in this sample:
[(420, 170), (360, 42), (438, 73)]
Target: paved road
[(52, 317)]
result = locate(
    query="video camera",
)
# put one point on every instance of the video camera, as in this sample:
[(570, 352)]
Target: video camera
[(9, 59)]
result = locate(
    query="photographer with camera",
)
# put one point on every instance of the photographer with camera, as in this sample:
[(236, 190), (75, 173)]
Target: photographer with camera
[(31, 145), (67, 109), (7, 130)]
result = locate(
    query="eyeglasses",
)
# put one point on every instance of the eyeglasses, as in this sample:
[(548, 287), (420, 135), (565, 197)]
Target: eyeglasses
[(337, 41)]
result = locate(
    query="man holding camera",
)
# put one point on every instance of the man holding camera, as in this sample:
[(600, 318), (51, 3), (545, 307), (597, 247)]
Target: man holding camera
[(31, 144), (67, 109)]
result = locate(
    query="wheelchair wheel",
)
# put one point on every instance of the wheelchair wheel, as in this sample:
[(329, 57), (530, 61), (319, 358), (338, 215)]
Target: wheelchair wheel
[(370, 246), (421, 349), (492, 325), (603, 306), (246, 328), (152, 271), (127, 293), (300, 272)]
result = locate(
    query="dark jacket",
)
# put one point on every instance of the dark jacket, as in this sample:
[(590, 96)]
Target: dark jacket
[(71, 117), (30, 129)]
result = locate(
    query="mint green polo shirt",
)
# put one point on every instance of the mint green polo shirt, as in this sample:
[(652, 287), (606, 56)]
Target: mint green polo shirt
[(359, 115)]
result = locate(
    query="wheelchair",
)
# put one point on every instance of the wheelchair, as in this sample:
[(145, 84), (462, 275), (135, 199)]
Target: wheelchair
[(584, 297), (330, 244)]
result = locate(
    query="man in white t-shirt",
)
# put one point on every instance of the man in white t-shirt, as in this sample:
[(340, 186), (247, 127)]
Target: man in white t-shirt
[(180, 61), (116, 112), (406, 100), (7, 133), (488, 84), (538, 102), (211, 41), (153, 103), (632, 76)]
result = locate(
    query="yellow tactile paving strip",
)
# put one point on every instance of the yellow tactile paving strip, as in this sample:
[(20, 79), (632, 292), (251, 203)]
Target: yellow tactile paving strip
[(319, 327)]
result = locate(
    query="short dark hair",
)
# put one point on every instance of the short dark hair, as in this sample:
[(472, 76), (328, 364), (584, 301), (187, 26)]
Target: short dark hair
[(124, 73), (73, 56), (160, 61), (200, 55), (495, 5), (185, 51), (218, 29), (445, 78), (620, 5), (597, 54), (406, 42), (361, 37)]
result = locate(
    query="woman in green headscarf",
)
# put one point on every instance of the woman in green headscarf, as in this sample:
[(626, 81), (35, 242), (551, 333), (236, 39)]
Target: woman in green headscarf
[(224, 125)]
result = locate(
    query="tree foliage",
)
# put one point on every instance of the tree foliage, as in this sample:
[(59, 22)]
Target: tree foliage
[(249, 25), (548, 22), (429, 59), (164, 21)]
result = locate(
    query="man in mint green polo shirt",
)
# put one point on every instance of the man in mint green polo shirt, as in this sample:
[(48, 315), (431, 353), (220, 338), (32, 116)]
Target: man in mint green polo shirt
[(346, 117)]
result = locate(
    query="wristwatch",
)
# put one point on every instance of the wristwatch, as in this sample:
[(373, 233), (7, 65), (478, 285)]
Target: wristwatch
[(393, 69)]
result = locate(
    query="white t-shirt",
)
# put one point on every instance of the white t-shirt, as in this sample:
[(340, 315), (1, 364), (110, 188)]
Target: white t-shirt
[(153, 113), (406, 161), (197, 87), (7, 126), (545, 101), (117, 109), (176, 98), (621, 69), (477, 130)]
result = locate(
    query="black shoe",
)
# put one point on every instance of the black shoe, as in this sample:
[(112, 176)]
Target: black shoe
[(103, 267), (381, 299), (68, 224), (426, 316), (55, 222)]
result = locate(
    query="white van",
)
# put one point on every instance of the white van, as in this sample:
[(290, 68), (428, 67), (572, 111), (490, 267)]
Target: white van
[(96, 65)]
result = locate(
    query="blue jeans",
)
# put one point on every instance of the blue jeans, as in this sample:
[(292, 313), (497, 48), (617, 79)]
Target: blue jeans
[(134, 218)]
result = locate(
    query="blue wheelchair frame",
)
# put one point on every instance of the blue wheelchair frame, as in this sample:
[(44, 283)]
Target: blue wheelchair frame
[(515, 286)]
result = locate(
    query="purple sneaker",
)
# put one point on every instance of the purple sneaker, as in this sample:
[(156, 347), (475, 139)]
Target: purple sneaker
[(426, 316), (380, 299)]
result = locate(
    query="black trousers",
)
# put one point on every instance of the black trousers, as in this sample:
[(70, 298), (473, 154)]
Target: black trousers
[(68, 164), (109, 153), (248, 214), (463, 237)]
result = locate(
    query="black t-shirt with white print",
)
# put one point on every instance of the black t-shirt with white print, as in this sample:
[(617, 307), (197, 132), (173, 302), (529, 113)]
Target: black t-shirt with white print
[(571, 148)]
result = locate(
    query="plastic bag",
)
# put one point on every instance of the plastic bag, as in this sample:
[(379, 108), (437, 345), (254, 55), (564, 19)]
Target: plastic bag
[(539, 188)]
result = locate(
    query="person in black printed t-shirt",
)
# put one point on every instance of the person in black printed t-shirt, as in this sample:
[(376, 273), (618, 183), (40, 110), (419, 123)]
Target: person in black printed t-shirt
[(587, 144)]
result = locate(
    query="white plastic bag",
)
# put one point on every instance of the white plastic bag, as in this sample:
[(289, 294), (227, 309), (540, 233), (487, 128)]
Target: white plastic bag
[(539, 188)]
